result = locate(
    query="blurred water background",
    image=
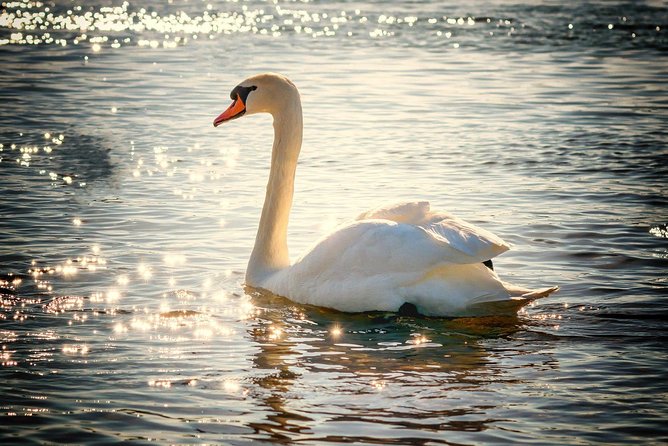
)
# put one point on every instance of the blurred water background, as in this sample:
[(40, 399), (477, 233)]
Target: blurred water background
[(126, 220)]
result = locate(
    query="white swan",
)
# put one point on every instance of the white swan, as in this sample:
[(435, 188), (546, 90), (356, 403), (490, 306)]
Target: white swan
[(388, 259)]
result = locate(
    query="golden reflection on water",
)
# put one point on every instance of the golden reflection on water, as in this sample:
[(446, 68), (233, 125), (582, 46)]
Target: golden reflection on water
[(160, 299), (361, 354), (336, 331), (160, 383), (6, 357), (76, 349), (345, 339), (34, 23), (145, 271), (182, 325), (174, 259)]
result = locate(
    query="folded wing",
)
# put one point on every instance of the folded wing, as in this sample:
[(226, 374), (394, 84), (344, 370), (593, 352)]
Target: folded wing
[(476, 244)]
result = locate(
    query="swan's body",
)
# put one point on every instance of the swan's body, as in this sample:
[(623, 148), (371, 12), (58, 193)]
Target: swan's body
[(388, 257)]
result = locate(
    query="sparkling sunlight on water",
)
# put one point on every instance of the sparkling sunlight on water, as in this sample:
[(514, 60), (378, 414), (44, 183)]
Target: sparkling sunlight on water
[(127, 220)]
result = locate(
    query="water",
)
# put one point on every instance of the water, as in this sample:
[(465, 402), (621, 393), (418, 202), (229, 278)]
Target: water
[(127, 220)]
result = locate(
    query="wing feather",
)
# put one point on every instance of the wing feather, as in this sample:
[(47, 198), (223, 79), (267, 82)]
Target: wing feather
[(475, 243)]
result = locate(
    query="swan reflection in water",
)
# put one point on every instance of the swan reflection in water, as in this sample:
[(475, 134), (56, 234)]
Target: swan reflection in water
[(371, 369)]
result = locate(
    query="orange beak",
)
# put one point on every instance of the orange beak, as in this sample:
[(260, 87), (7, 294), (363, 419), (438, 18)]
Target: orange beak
[(236, 110)]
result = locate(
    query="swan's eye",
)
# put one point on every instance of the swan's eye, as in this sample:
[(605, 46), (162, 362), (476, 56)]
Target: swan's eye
[(241, 92)]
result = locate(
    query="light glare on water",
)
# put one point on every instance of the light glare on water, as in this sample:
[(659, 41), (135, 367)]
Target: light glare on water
[(126, 221)]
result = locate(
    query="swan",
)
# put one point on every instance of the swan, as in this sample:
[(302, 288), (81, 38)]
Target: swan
[(398, 257)]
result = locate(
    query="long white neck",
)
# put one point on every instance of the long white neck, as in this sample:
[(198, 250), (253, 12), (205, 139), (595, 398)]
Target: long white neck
[(270, 253)]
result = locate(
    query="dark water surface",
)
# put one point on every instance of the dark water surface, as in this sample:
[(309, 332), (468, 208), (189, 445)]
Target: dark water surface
[(126, 220)]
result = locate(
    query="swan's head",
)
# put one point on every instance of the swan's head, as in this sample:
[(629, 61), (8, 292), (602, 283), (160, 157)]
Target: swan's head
[(262, 93)]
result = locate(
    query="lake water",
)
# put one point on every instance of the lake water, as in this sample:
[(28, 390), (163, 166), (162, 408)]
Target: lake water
[(126, 220)]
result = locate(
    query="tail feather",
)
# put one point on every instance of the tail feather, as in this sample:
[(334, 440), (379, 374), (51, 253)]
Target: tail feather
[(509, 306), (520, 291), (537, 294)]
